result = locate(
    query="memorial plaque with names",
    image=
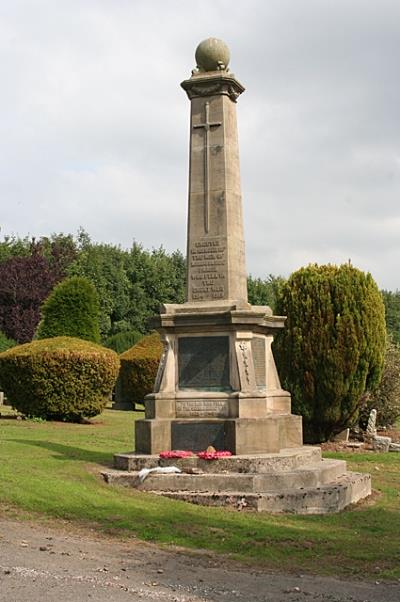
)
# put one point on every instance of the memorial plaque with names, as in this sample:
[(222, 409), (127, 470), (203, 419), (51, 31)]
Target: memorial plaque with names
[(204, 363), (258, 349), (197, 436), (202, 408)]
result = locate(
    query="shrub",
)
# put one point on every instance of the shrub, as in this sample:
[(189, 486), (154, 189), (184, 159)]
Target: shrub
[(122, 341), (5, 342), (386, 398), (139, 369), (72, 309), (59, 379), (332, 348)]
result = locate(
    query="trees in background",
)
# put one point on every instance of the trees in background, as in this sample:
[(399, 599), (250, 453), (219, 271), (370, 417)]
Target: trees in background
[(332, 349), (386, 398), (131, 283), (392, 311), (264, 292), (28, 272)]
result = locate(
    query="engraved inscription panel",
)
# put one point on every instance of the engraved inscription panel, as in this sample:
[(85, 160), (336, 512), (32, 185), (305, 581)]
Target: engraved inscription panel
[(204, 363), (197, 436), (258, 349), (202, 408), (207, 269)]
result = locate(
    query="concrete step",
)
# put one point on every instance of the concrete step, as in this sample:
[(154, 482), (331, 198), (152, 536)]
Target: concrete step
[(312, 475), (285, 460), (345, 490)]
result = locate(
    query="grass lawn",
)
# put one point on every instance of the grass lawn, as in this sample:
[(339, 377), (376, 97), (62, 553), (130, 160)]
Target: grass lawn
[(52, 470)]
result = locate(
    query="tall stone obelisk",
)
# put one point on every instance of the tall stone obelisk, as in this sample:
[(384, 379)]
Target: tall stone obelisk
[(215, 240), (217, 382)]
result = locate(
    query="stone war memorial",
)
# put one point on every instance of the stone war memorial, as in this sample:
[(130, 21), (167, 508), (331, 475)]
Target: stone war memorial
[(217, 386)]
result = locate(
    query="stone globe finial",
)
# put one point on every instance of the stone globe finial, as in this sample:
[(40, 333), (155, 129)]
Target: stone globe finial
[(212, 55)]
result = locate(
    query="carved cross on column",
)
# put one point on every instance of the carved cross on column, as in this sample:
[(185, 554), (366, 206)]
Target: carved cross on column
[(207, 125)]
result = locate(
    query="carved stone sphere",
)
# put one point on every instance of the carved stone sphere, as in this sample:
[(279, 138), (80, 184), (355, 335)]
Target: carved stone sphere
[(212, 55)]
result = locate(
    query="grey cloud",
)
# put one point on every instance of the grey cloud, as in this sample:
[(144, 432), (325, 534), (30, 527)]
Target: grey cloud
[(95, 127)]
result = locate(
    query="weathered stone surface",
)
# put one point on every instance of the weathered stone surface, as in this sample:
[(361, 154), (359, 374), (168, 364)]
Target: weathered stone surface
[(318, 489), (381, 444), (394, 447), (286, 460), (371, 426)]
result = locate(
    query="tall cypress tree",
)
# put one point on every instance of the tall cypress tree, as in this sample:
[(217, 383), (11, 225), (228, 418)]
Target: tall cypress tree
[(332, 349), (72, 309)]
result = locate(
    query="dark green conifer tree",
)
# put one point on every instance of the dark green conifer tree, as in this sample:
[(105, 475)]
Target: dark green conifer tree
[(332, 349), (72, 309)]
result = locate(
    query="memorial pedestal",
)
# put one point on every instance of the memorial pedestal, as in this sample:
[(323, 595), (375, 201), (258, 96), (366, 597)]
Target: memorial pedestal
[(217, 383)]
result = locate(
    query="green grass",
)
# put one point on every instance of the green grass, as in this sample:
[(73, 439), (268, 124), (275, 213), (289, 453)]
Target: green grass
[(52, 470)]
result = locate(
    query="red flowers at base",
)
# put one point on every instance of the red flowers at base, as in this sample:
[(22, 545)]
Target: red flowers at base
[(176, 453), (204, 455), (214, 455)]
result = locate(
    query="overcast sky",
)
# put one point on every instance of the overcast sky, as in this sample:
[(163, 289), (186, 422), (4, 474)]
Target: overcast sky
[(94, 127)]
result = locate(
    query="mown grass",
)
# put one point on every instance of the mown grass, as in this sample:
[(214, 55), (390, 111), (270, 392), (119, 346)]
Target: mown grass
[(52, 470)]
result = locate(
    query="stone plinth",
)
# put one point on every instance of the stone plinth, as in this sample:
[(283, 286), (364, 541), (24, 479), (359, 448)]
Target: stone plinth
[(296, 480), (217, 383)]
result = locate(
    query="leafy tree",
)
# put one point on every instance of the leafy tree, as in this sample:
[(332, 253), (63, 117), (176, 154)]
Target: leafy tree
[(24, 283), (104, 266), (28, 271), (5, 342), (386, 399), (392, 311), (156, 278), (264, 292), (72, 309), (332, 349)]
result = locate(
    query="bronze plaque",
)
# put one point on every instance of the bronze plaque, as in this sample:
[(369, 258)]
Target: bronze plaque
[(197, 436), (204, 363), (258, 349)]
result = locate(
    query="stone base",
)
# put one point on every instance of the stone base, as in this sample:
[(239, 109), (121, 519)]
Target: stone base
[(296, 480), (237, 435)]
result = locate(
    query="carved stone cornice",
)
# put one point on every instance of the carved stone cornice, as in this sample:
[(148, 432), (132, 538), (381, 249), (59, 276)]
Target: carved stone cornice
[(201, 85)]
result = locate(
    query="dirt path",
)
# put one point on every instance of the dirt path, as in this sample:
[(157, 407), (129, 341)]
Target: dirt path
[(63, 564)]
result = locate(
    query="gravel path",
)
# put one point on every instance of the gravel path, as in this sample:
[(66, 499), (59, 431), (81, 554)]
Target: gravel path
[(62, 564)]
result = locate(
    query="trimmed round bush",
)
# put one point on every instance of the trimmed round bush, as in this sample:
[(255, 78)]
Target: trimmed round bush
[(62, 378), (122, 341), (331, 351), (138, 370), (71, 310)]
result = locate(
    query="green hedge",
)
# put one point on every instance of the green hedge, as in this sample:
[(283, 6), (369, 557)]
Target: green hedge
[(139, 369), (122, 341), (61, 378)]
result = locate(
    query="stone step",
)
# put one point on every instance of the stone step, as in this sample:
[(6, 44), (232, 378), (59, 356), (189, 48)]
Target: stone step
[(285, 460), (313, 475), (345, 490)]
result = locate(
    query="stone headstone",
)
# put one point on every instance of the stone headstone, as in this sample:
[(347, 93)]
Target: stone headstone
[(381, 444)]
